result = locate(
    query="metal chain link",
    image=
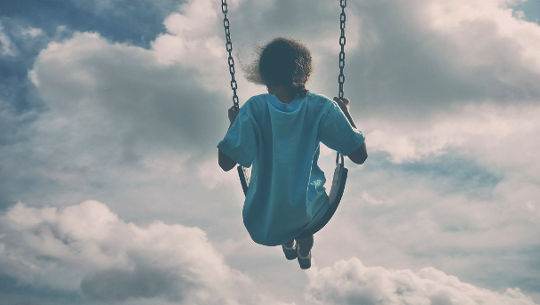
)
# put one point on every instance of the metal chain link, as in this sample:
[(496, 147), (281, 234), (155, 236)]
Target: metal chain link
[(341, 77), (342, 41), (228, 46), (244, 174)]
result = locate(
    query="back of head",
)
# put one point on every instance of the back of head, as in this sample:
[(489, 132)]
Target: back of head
[(283, 62)]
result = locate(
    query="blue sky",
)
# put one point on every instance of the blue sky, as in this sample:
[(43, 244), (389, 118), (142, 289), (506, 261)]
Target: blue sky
[(111, 194)]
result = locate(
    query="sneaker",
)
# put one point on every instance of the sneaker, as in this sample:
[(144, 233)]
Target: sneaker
[(290, 252), (304, 261)]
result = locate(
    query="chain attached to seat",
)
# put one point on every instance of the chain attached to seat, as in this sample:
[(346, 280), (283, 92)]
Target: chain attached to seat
[(340, 175), (243, 173), (342, 41), (341, 77), (228, 46)]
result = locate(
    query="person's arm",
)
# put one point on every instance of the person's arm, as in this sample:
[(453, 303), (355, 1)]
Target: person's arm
[(224, 161), (358, 156)]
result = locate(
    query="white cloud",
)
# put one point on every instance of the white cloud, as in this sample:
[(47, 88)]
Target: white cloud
[(486, 131), (351, 282), (475, 27), (131, 103), (424, 57), (6, 46), (32, 32), (498, 138), (88, 247)]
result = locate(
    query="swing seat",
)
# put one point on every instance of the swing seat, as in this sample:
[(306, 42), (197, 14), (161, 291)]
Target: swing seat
[(338, 185), (334, 198), (336, 192)]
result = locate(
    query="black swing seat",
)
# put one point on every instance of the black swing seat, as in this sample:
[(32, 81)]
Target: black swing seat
[(334, 198), (336, 192)]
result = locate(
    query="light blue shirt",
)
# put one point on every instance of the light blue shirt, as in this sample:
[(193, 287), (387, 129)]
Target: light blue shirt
[(281, 142)]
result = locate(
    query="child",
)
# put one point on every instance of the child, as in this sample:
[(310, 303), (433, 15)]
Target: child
[(279, 134)]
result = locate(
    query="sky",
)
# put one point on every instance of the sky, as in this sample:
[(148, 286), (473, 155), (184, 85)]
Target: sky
[(110, 113)]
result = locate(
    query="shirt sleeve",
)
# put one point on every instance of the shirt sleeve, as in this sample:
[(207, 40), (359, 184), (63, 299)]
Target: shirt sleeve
[(240, 142), (336, 132)]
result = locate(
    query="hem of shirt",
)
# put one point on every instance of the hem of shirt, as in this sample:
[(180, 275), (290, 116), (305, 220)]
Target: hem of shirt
[(280, 241)]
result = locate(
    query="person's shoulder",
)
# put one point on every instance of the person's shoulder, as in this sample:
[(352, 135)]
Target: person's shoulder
[(320, 101), (255, 106), (256, 101)]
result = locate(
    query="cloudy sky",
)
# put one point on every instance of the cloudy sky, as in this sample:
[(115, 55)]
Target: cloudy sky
[(110, 192)]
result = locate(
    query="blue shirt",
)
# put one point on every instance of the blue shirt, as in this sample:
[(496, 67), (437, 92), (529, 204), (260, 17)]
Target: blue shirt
[(281, 142)]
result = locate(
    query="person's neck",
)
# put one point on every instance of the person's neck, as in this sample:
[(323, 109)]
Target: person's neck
[(286, 99), (282, 94)]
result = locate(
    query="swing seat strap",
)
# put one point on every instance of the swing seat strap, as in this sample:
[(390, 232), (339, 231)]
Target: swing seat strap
[(243, 179)]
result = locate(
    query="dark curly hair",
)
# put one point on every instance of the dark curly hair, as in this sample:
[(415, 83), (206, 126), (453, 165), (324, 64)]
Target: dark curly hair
[(283, 62)]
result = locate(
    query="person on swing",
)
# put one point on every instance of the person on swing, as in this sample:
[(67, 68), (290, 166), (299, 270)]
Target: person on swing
[(279, 135)]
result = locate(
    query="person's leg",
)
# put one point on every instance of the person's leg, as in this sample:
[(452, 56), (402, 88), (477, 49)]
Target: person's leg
[(304, 251), (304, 245), (289, 244)]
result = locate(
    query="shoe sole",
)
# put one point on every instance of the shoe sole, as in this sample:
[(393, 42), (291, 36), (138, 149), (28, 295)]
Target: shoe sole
[(290, 254), (304, 265), (304, 262)]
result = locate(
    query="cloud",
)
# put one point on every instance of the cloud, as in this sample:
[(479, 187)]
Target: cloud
[(482, 131), (114, 108), (447, 213), (129, 99), (422, 57), (446, 93), (140, 107), (496, 137), (351, 282), (88, 247), (135, 100), (6, 45)]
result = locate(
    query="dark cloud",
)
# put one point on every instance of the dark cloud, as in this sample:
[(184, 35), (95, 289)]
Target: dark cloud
[(15, 87), (449, 173), (136, 22), (13, 292), (143, 282)]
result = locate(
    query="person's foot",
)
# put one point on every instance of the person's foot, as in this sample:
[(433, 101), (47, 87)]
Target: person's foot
[(303, 253), (304, 261), (290, 250)]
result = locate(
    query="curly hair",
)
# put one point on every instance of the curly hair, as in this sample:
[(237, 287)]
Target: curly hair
[(283, 62)]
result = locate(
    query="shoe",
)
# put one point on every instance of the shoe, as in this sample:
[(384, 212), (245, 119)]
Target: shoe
[(290, 252), (304, 261)]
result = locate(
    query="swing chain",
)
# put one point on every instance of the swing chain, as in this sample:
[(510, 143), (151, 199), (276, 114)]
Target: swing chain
[(342, 41), (341, 77), (228, 47)]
